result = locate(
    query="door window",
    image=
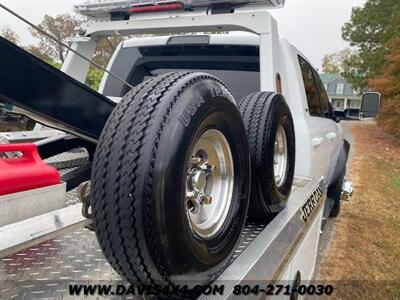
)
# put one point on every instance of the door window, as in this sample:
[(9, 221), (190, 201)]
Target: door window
[(314, 107), (317, 98), (323, 96)]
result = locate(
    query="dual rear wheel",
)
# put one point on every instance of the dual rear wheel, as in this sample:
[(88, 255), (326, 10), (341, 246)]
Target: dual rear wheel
[(171, 177)]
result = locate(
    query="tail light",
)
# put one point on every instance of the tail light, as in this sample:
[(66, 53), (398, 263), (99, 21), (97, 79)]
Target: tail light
[(156, 7)]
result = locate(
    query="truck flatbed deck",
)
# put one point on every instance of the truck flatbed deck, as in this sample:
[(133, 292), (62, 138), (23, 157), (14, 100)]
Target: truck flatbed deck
[(44, 270)]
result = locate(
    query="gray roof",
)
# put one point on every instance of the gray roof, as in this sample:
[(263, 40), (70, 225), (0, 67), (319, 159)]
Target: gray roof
[(328, 77)]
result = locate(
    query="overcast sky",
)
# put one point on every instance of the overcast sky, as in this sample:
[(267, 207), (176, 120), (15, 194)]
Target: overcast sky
[(313, 26)]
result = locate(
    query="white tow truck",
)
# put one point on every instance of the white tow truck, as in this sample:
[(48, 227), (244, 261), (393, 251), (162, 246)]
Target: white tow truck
[(218, 164)]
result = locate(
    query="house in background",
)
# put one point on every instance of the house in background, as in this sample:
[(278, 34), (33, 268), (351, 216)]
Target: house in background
[(341, 94)]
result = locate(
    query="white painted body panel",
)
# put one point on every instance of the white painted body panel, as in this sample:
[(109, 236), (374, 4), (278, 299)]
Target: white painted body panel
[(304, 258), (318, 140)]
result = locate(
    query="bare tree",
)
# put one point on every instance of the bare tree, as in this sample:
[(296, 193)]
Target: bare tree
[(7, 33), (334, 63), (61, 27), (105, 49)]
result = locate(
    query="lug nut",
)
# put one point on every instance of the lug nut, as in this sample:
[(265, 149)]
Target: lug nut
[(208, 168), (190, 205), (195, 160), (206, 200)]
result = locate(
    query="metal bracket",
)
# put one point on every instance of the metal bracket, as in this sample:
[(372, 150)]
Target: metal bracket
[(78, 39), (83, 193)]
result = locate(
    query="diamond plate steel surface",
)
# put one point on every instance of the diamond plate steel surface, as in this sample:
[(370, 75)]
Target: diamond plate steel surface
[(71, 198), (45, 271)]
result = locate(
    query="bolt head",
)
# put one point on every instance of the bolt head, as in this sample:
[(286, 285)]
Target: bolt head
[(206, 200), (195, 160), (190, 206), (208, 168)]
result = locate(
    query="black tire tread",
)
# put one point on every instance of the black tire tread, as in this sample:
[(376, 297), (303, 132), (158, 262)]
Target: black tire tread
[(257, 110), (252, 109), (123, 245)]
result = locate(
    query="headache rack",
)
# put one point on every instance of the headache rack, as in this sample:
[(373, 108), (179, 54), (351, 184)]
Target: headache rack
[(56, 107)]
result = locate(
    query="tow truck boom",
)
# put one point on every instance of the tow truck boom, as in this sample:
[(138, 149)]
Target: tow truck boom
[(50, 96)]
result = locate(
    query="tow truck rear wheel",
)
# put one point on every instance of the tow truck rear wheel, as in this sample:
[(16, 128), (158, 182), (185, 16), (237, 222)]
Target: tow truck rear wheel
[(335, 193), (270, 131), (170, 184)]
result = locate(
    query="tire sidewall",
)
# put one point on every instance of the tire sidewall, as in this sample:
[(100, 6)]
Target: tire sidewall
[(204, 105)]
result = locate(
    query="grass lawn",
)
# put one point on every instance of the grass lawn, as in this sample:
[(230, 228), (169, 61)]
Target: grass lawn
[(363, 261)]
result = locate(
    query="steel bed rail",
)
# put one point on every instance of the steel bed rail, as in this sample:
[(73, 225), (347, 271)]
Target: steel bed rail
[(58, 250), (19, 236), (265, 259), (30, 136)]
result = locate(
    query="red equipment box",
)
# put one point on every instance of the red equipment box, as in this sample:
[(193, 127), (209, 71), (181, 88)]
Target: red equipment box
[(25, 172)]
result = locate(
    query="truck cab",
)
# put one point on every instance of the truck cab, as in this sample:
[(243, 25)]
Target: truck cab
[(235, 59)]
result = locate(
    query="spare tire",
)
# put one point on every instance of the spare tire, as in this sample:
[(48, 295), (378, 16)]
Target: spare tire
[(170, 181), (271, 136)]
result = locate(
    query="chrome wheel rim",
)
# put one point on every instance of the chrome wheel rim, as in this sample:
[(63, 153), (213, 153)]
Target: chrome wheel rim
[(280, 156), (209, 184)]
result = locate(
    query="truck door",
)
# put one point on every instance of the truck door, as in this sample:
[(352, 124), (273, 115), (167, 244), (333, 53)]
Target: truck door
[(334, 133), (323, 130)]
